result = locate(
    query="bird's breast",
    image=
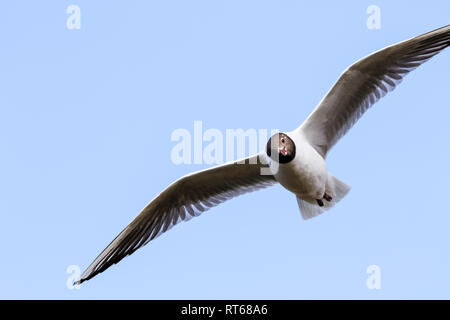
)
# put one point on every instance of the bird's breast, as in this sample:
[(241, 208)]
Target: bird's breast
[(305, 176)]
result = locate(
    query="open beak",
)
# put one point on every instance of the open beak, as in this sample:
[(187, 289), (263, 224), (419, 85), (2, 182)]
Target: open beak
[(283, 151)]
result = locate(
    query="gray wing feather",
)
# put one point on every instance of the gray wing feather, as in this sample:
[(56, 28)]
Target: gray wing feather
[(187, 197), (364, 83)]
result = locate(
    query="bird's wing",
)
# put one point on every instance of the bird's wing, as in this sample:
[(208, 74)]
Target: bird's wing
[(185, 198), (366, 81)]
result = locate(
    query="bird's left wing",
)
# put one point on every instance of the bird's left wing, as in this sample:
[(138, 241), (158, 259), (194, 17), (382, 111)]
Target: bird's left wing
[(366, 81), (185, 198)]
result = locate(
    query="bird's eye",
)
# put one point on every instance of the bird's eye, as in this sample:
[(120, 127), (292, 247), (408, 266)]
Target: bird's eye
[(282, 140)]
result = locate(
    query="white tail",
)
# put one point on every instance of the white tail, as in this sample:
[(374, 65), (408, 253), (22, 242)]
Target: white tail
[(309, 208)]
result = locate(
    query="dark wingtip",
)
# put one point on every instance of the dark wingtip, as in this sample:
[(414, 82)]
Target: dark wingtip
[(78, 282)]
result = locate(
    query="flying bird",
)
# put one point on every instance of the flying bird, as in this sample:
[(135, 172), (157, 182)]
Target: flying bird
[(295, 159)]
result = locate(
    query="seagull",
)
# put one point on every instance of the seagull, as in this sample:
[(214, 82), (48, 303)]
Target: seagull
[(294, 159)]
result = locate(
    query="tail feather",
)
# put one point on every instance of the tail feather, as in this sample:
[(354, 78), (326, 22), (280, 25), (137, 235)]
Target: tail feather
[(339, 189), (309, 208)]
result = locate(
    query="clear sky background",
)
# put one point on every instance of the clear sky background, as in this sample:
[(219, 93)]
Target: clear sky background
[(85, 123)]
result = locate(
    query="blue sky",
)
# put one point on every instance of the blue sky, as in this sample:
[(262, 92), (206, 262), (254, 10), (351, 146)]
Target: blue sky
[(86, 118)]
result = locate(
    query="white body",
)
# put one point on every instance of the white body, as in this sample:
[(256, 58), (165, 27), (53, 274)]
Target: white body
[(306, 175), (308, 178)]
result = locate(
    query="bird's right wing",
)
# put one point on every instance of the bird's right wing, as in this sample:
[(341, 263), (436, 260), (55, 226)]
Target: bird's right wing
[(366, 81), (185, 198)]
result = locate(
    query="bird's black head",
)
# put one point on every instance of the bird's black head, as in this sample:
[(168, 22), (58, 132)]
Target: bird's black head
[(281, 148)]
